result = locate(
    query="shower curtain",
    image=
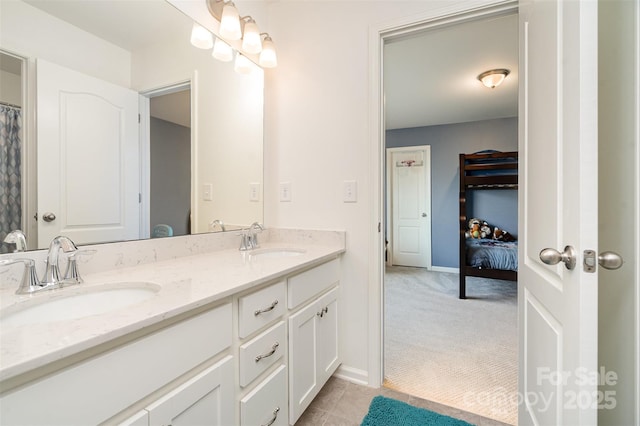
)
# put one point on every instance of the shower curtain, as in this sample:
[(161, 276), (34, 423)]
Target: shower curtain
[(10, 172)]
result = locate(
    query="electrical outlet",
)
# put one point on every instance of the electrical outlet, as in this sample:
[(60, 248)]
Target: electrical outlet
[(207, 192), (350, 191), (285, 191), (254, 192)]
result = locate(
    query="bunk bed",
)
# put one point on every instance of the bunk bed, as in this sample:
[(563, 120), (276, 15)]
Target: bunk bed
[(488, 258)]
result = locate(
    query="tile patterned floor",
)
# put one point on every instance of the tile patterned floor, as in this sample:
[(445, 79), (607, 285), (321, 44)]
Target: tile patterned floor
[(341, 403)]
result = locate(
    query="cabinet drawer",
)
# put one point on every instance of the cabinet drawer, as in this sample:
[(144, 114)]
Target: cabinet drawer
[(261, 352), (304, 286), (267, 403), (255, 310), (120, 376)]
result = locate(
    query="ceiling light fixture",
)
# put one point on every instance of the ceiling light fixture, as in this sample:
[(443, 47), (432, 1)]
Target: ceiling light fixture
[(493, 78)]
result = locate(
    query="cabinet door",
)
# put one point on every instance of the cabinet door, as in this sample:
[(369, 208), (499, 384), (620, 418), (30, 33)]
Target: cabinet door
[(302, 360), (327, 336), (207, 399)]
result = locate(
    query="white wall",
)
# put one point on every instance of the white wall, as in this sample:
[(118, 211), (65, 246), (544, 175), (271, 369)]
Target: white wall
[(318, 134), (31, 33), (10, 88)]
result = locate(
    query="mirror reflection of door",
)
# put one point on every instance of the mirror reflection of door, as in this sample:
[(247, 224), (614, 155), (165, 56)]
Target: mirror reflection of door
[(170, 163)]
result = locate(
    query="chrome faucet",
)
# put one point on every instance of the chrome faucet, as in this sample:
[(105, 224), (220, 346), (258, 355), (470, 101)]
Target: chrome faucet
[(18, 238), (30, 282), (217, 222), (254, 229), (249, 237), (52, 270)]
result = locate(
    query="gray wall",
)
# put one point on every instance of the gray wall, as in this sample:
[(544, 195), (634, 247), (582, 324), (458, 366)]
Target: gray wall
[(170, 175), (499, 208)]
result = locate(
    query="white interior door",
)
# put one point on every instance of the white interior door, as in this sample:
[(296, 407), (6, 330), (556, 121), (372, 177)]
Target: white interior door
[(558, 316), (410, 186), (88, 157)]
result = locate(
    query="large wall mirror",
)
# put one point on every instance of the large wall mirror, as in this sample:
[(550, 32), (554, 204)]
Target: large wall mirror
[(178, 140)]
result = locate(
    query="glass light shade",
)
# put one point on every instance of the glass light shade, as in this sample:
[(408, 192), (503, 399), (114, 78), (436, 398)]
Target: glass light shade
[(230, 23), (242, 64), (493, 78), (222, 51), (268, 57), (201, 38), (251, 40)]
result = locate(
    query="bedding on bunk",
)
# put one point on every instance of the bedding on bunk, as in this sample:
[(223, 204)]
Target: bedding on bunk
[(492, 254)]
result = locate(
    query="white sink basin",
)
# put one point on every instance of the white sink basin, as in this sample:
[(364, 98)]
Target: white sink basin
[(276, 252), (77, 302)]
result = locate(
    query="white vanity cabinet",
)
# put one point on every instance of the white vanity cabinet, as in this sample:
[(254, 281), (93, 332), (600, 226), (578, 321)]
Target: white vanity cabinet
[(256, 357), (313, 335), (94, 390)]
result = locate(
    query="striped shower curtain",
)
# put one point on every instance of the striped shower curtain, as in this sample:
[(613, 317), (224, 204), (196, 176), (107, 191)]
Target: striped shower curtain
[(10, 172)]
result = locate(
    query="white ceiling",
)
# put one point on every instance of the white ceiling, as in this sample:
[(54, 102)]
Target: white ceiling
[(430, 78)]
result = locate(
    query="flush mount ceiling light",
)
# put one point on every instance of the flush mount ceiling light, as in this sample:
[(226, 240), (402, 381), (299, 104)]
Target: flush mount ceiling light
[(493, 78)]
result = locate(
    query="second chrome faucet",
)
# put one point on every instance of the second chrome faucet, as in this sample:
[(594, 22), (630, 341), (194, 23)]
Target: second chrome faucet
[(249, 238)]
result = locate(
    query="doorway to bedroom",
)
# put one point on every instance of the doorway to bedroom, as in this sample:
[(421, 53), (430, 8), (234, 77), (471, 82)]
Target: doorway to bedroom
[(459, 353)]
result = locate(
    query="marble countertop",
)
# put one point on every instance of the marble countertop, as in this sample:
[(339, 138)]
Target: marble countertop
[(185, 283)]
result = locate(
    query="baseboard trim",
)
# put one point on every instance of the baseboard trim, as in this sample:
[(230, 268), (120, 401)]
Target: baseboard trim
[(445, 269), (353, 375)]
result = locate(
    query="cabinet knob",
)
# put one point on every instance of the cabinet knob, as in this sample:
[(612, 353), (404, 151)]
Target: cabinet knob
[(273, 419)]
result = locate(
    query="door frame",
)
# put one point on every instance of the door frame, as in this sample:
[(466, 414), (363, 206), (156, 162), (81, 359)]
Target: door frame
[(389, 197), (144, 119), (378, 34)]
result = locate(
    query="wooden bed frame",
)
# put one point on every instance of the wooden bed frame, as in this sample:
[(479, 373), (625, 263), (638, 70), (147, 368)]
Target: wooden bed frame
[(472, 179)]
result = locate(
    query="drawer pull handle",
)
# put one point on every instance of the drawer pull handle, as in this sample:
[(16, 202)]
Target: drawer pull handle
[(275, 416), (270, 308), (273, 350), (323, 312)]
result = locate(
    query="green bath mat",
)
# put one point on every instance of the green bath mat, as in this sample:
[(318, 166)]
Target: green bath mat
[(390, 412)]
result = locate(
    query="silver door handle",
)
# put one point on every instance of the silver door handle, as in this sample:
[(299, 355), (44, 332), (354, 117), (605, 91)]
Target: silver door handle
[(424, 215), (610, 260), (551, 256)]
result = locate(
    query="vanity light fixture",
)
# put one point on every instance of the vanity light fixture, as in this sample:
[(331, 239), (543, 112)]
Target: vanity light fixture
[(242, 65), (230, 22), (200, 37), (222, 51), (268, 58), (251, 40), (493, 78), (232, 28)]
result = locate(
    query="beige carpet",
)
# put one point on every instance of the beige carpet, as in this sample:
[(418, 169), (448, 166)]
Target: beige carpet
[(461, 353)]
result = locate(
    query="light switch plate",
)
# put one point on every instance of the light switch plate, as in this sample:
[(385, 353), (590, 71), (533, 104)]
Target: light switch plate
[(285, 191), (350, 191), (207, 192), (254, 191)]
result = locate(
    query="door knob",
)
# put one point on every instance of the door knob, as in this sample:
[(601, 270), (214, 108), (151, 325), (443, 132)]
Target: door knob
[(424, 215), (610, 260), (551, 256), (48, 217)]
